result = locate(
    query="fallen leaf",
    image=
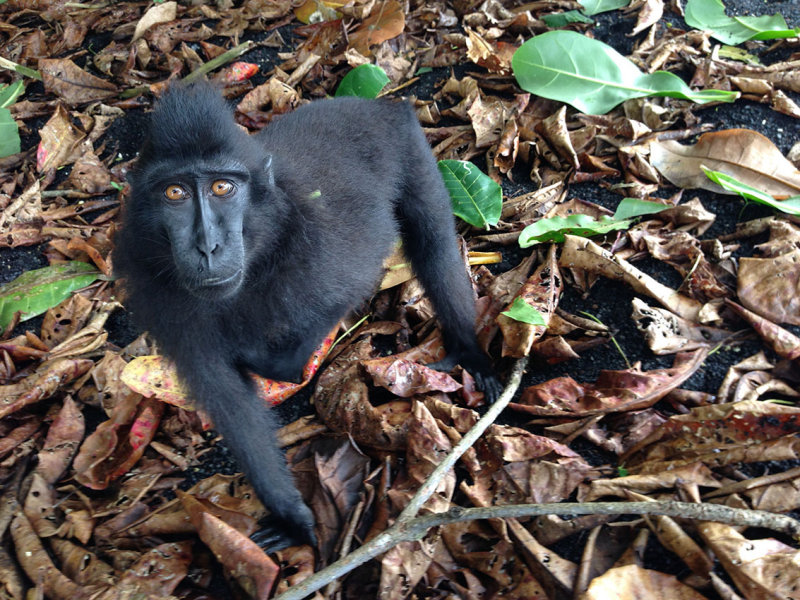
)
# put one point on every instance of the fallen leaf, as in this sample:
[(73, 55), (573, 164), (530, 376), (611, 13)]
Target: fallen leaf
[(72, 84), (741, 153)]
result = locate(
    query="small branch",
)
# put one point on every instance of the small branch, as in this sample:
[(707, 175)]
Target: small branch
[(12, 66), (403, 530), (417, 528), (220, 60)]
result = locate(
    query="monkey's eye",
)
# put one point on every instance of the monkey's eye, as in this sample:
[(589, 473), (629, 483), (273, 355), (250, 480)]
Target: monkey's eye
[(174, 193), (221, 187)]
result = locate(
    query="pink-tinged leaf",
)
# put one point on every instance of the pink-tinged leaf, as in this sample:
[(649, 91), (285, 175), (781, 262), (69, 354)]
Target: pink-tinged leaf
[(118, 443), (614, 391), (62, 441), (238, 71)]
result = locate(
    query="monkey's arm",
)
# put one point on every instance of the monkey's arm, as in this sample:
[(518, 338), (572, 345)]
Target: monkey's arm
[(249, 429)]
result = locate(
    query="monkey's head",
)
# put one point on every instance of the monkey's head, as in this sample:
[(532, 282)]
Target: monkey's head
[(201, 195)]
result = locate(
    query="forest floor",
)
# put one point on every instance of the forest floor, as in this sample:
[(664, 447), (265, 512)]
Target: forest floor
[(610, 433)]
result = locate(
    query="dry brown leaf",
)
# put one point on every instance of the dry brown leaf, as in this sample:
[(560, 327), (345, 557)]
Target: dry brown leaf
[(60, 141), (770, 287), (763, 569), (741, 153), (80, 565), (667, 333), (386, 21), (159, 571), (648, 483), (650, 12), (582, 253), (720, 434), (38, 565), (629, 389), (240, 556), (406, 378), (541, 291), (42, 384), (72, 84), (633, 582), (158, 13)]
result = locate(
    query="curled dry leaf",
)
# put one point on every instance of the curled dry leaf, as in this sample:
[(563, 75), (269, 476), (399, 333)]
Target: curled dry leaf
[(741, 153), (644, 484), (763, 569), (38, 565), (240, 556), (42, 384), (80, 565), (60, 141), (158, 13), (782, 341), (117, 444), (63, 438), (582, 253), (406, 378), (667, 333)]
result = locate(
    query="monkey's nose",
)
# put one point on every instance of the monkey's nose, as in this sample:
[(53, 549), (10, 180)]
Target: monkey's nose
[(207, 253)]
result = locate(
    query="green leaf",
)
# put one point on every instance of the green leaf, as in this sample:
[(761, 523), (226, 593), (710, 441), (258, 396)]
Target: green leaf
[(475, 196), (630, 208), (592, 76), (593, 7), (9, 134), (563, 19), (524, 312), (555, 228), (10, 93), (35, 291), (790, 206), (365, 81), (710, 15)]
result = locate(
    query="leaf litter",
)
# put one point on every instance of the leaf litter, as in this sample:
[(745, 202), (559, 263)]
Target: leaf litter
[(90, 468)]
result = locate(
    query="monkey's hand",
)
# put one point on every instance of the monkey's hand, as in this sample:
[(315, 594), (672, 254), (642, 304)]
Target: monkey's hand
[(279, 533), (479, 367)]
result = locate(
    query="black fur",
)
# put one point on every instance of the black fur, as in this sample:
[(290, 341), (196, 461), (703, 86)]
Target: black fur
[(251, 282)]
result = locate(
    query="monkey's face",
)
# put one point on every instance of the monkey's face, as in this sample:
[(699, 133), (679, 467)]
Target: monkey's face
[(203, 215)]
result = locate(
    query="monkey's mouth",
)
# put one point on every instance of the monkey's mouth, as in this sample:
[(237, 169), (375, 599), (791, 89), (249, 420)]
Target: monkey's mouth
[(213, 282)]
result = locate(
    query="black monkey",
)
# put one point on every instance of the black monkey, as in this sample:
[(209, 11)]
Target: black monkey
[(241, 252)]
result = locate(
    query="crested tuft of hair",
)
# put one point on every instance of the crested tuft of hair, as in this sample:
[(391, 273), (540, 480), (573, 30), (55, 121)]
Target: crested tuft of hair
[(191, 121)]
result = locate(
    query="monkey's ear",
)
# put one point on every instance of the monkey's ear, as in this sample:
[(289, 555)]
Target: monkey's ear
[(268, 170)]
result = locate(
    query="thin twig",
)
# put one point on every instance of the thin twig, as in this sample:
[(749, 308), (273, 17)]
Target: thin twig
[(417, 528), (399, 532), (432, 482)]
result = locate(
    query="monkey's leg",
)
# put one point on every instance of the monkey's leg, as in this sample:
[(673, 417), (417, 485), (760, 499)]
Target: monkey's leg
[(427, 227)]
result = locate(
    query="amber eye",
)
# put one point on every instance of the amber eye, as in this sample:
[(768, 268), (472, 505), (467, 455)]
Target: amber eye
[(174, 193), (221, 187)]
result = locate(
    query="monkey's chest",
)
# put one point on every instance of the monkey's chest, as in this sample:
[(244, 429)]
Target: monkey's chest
[(284, 362)]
